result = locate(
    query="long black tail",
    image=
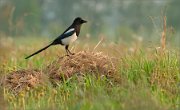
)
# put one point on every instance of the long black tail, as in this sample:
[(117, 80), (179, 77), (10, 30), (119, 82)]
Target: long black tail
[(38, 51)]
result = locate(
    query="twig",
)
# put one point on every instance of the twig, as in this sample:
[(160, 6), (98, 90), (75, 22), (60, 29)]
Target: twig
[(163, 35), (102, 38)]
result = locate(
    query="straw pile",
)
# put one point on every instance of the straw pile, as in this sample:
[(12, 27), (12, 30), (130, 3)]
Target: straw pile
[(63, 68), (21, 80), (81, 63)]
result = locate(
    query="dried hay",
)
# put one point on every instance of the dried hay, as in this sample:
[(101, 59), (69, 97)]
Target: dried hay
[(81, 63), (21, 80), (64, 67)]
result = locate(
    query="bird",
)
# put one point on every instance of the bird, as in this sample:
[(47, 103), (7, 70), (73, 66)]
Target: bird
[(67, 37)]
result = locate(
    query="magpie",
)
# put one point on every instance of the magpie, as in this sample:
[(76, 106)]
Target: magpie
[(67, 37)]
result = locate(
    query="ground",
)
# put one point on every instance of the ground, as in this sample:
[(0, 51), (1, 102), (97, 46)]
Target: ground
[(98, 77)]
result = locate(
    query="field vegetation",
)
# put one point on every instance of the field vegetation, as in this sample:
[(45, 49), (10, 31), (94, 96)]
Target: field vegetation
[(101, 75), (127, 56)]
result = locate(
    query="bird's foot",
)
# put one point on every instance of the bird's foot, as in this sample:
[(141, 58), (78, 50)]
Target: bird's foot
[(72, 53), (67, 55)]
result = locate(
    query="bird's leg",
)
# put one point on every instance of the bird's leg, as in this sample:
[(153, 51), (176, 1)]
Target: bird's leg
[(70, 52), (67, 50)]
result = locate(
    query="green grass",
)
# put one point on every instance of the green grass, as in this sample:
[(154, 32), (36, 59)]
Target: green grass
[(146, 80)]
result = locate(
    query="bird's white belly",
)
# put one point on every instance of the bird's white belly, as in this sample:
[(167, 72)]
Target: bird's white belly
[(70, 39)]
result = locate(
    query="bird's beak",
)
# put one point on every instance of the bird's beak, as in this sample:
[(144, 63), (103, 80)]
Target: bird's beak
[(83, 21)]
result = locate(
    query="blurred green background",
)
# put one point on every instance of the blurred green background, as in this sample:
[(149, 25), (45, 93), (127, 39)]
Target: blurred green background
[(121, 20)]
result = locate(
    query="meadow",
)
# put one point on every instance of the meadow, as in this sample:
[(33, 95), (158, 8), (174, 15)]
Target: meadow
[(145, 77), (127, 56)]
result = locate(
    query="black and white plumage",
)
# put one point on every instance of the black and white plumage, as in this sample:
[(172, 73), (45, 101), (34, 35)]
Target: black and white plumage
[(67, 37)]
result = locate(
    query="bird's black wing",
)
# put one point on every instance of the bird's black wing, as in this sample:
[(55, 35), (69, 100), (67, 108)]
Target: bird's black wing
[(66, 34)]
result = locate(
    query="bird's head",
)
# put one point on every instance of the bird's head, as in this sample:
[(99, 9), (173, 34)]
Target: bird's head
[(79, 21)]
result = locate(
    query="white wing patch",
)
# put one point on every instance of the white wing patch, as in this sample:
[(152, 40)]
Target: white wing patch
[(70, 30), (70, 39)]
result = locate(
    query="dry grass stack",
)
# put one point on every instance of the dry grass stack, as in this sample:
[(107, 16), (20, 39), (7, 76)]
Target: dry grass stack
[(22, 80), (81, 63)]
